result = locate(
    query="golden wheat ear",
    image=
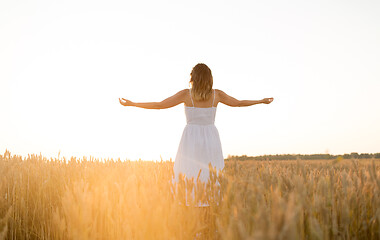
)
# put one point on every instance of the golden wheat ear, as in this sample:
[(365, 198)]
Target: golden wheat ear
[(199, 174)]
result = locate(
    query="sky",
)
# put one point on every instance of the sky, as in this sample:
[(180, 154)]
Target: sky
[(64, 64)]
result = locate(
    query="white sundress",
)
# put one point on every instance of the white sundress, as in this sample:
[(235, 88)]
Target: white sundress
[(200, 144)]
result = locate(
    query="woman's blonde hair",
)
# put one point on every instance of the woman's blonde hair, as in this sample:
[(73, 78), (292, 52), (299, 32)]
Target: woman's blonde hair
[(201, 82)]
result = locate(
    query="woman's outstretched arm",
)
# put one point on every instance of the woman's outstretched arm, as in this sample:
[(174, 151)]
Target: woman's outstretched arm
[(172, 101), (233, 102)]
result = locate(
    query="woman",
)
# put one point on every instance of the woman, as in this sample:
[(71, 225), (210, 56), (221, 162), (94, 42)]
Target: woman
[(200, 143)]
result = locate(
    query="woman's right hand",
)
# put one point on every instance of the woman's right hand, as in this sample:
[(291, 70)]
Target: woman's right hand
[(125, 102), (267, 100)]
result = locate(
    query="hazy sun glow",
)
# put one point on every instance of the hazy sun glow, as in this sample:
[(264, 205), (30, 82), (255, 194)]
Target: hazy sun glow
[(65, 64)]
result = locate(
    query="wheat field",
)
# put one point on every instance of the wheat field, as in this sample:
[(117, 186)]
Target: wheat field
[(89, 198)]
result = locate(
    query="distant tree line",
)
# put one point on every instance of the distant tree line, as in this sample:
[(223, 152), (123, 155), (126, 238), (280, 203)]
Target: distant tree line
[(353, 155)]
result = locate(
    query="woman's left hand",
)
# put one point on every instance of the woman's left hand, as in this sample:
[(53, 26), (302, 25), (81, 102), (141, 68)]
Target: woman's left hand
[(125, 102)]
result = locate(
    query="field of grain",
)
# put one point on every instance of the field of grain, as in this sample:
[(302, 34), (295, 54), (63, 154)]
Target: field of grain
[(90, 199)]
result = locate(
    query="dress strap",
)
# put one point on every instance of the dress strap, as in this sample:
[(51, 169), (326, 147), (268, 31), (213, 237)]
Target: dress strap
[(213, 99), (191, 97)]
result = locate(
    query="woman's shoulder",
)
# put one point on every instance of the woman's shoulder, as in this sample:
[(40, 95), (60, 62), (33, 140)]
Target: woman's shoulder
[(218, 91), (219, 95), (183, 91)]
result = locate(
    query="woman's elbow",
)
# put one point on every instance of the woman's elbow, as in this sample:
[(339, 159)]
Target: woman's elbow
[(158, 105), (237, 103), (162, 105)]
